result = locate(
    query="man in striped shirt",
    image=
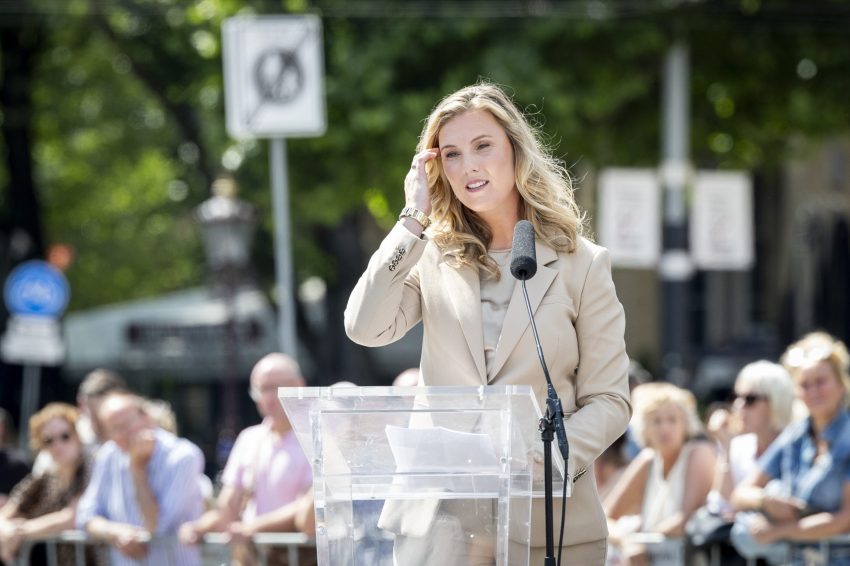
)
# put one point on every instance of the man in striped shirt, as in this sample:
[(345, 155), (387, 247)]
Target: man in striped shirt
[(143, 487)]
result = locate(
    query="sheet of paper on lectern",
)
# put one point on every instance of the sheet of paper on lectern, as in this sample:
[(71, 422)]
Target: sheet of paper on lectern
[(468, 460)]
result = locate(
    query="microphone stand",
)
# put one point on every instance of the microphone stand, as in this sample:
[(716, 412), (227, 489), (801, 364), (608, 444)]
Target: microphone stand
[(550, 426)]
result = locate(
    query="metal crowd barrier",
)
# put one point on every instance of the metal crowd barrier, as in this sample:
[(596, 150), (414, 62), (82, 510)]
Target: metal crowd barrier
[(665, 551), (263, 542), (215, 546), (662, 551), (80, 539)]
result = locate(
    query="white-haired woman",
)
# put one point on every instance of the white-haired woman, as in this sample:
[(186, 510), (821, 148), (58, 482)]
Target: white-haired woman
[(669, 479), (764, 398)]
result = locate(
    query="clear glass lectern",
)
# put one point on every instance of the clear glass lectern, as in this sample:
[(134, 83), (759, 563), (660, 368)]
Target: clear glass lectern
[(440, 476)]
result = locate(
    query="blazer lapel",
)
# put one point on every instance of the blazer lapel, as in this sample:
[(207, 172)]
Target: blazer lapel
[(464, 290), (516, 318)]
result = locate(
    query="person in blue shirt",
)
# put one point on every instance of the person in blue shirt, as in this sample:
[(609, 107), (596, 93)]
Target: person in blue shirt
[(143, 487), (802, 487)]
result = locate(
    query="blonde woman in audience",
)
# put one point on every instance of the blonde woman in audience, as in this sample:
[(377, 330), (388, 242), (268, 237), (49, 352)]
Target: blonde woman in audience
[(44, 504), (668, 480), (764, 397), (800, 492)]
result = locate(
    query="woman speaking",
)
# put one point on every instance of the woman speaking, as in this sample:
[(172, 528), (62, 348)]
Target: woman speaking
[(480, 168)]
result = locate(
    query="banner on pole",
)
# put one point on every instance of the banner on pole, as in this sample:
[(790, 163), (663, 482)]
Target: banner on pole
[(721, 224), (629, 216)]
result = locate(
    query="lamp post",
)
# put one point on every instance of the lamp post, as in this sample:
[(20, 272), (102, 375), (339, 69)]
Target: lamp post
[(676, 266), (227, 228)]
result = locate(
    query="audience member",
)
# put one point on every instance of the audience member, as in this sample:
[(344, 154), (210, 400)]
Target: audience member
[(801, 489), (266, 471), (45, 504), (164, 417), (92, 390), (300, 515), (144, 484), (764, 394), (669, 479), (90, 393), (13, 464)]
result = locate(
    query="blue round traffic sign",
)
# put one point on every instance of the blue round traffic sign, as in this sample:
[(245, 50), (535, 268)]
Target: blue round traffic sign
[(36, 288)]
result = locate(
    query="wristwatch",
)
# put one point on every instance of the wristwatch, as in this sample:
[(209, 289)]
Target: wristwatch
[(416, 214)]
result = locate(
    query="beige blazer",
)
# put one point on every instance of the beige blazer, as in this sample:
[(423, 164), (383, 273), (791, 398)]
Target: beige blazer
[(581, 326)]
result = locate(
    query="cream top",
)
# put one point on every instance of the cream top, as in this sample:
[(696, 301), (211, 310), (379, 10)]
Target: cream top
[(664, 495), (495, 297)]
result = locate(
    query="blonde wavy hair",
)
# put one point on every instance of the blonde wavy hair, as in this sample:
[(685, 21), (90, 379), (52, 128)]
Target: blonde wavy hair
[(68, 413), (544, 184), (649, 397), (819, 347)]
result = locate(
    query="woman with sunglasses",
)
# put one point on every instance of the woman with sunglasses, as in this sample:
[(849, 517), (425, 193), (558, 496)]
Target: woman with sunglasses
[(43, 505), (764, 395), (800, 492)]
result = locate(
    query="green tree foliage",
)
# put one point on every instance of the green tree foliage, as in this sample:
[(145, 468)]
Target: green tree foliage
[(129, 131)]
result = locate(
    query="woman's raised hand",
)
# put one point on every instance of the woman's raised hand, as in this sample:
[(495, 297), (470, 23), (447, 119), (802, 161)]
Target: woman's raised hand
[(416, 192), (720, 428)]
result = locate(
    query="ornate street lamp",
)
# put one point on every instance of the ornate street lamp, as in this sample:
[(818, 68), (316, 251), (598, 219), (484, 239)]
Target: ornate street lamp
[(227, 228)]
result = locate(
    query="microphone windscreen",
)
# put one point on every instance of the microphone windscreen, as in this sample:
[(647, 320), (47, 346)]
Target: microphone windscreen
[(523, 253)]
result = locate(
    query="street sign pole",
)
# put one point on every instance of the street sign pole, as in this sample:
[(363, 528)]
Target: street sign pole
[(29, 401), (283, 249), (676, 266), (274, 88), (36, 294)]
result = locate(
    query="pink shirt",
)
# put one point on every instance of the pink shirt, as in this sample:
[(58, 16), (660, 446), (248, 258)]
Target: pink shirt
[(273, 469)]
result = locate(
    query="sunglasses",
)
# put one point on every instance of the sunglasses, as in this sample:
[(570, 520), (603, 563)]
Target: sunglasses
[(751, 399), (49, 440), (799, 357)]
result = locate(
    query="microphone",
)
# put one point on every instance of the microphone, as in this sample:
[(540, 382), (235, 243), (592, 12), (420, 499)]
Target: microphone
[(523, 267), (523, 252)]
